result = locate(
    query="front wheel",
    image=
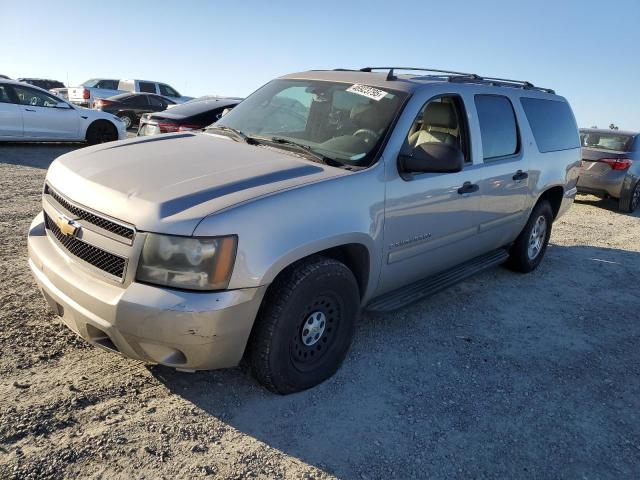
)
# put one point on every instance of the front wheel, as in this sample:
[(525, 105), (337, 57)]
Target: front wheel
[(305, 325), (527, 251), (101, 132)]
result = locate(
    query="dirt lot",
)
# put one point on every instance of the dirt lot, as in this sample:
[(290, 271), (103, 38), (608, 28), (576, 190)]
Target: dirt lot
[(502, 376)]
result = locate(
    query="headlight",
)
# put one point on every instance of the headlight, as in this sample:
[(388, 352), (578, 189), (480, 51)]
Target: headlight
[(196, 263)]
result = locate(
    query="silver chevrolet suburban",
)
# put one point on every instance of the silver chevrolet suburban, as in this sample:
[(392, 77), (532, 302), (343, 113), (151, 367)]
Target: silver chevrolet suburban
[(322, 193)]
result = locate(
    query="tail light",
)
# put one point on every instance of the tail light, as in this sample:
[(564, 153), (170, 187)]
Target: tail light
[(617, 163), (101, 103), (186, 128), (86, 94), (168, 127)]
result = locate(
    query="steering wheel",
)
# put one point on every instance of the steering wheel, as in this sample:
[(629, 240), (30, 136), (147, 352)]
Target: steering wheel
[(34, 101), (366, 131)]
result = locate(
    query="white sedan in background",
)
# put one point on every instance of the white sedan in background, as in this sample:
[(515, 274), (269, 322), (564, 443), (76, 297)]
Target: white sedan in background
[(31, 114)]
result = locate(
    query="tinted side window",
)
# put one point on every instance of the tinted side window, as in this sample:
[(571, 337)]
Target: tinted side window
[(5, 96), (108, 84), (552, 124), (35, 98), (147, 87), (168, 91), (137, 101), (156, 102), (497, 126)]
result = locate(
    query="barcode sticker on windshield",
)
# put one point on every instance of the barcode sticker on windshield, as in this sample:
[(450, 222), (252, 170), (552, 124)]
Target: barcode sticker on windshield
[(369, 92)]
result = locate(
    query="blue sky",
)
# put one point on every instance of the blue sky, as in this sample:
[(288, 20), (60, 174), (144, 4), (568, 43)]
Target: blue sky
[(585, 50)]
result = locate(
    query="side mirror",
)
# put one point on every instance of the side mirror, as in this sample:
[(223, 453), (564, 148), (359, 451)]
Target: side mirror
[(432, 158), (63, 106)]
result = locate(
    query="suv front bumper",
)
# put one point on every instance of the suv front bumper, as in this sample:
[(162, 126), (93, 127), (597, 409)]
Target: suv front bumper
[(187, 330)]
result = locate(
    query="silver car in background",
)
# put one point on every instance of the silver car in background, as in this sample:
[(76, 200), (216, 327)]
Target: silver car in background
[(611, 166)]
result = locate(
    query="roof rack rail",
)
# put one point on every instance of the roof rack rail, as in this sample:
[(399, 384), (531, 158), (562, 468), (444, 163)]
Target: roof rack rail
[(391, 76), (463, 77)]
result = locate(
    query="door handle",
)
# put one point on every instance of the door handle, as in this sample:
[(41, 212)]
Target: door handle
[(468, 187), (29, 110), (520, 175)]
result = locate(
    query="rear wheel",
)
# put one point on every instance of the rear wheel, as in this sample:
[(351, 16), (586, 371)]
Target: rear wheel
[(527, 251), (101, 131), (305, 326), (630, 200), (128, 119)]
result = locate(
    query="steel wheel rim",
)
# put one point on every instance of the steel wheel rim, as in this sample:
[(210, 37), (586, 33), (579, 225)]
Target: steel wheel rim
[(315, 333), (537, 237)]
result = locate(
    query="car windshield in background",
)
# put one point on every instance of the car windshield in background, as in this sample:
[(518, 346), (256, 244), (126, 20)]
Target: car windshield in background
[(91, 83), (342, 122), (606, 141)]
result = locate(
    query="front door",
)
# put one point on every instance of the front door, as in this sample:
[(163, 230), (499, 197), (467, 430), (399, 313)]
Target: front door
[(10, 114), (430, 218), (41, 118)]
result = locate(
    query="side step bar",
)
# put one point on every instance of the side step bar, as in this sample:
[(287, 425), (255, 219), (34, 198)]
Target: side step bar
[(436, 283)]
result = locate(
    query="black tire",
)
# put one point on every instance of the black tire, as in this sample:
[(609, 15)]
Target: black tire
[(522, 255), (279, 357), (101, 131), (128, 118), (630, 200)]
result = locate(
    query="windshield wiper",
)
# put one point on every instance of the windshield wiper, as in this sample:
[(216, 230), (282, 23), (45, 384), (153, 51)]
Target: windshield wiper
[(305, 149), (237, 134)]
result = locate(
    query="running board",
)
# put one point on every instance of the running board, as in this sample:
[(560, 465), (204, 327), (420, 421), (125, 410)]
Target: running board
[(436, 283)]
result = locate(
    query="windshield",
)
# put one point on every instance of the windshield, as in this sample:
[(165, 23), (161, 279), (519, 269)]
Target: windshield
[(606, 141), (91, 83), (343, 122)]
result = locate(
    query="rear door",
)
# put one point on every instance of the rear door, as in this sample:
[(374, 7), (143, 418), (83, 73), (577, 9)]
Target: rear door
[(42, 120), (10, 113), (157, 104), (505, 171)]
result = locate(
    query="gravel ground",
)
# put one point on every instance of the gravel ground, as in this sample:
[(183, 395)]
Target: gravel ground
[(502, 376)]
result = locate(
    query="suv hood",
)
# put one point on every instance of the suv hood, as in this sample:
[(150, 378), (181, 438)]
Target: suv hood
[(168, 183)]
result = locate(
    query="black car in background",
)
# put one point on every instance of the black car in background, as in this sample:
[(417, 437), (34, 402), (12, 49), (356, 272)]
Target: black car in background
[(194, 115), (42, 83), (131, 106)]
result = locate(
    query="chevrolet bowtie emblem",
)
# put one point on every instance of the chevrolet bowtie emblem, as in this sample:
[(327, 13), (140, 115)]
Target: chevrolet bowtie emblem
[(67, 226)]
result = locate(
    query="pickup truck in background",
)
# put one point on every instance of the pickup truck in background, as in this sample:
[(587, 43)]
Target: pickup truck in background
[(87, 93)]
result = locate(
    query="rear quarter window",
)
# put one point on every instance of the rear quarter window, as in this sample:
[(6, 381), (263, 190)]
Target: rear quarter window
[(498, 127), (147, 87), (552, 123)]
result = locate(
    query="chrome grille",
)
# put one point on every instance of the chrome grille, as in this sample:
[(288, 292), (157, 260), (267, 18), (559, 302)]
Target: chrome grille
[(91, 218), (100, 259)]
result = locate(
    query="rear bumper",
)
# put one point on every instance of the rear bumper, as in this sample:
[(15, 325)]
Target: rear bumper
[(189, 330), (602, 185), (567, 200)]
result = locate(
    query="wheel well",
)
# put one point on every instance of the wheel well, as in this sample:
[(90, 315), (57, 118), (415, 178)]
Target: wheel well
[(98, 122), (554, 197), (356, 257)]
